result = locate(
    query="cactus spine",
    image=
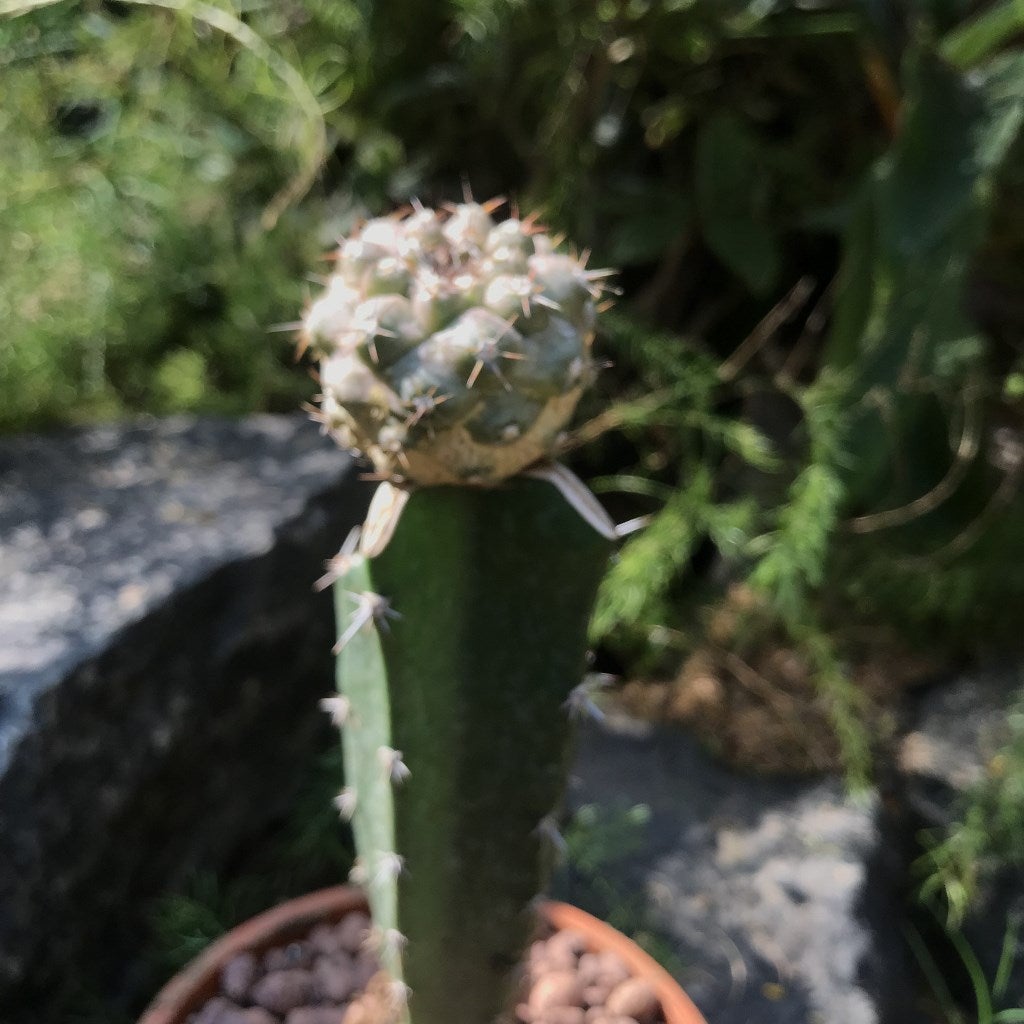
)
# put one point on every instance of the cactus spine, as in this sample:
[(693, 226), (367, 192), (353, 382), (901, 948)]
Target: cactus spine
[(453, 353)]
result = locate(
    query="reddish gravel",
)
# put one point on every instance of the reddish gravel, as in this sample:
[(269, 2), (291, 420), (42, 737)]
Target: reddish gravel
[(566, 984), (325, 978)]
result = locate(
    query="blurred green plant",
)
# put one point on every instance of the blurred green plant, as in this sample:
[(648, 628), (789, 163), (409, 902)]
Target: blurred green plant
[(982, 846), (817, 210), (898, 497), (988, 834), (987, 993), (143, 165), (597, 840)]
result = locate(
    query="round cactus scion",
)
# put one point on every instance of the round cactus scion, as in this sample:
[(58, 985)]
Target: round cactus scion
[(453, 347)]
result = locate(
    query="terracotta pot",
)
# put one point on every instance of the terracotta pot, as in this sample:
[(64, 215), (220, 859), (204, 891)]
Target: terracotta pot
[(675, 1002), (190, 988)]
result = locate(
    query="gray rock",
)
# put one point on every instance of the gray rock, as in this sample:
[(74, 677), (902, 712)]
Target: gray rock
[(775, 898), (956, 726), (955, 732), (161, 653)]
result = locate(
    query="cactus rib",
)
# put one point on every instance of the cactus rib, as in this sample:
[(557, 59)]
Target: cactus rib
[(494, 588)]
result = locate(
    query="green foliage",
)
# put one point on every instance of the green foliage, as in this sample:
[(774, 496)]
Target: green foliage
[(983, 34), (793, 557), (985, 839), (157, 157), (635, 590), (153, 148), (988, 833), (140, 155), (986, 992), (900, 320), (596, 838), (678, 397), (188, 922), (730, 185), (309, 849), (895, 499), (597, 841)]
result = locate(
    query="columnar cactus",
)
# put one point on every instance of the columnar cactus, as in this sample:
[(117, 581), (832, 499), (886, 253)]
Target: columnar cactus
[(453, 351)]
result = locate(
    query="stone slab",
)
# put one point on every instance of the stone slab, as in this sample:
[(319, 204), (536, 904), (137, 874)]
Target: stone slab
[(161, 653), (775, 901)]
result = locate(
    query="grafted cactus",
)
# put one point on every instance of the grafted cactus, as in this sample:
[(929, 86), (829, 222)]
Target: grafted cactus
[(453, 351)]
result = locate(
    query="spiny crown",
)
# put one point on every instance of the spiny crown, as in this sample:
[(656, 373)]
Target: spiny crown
[(453, 349)]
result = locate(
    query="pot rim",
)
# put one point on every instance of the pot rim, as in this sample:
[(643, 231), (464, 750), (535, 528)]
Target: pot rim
[(198, 980), (675, 1003)]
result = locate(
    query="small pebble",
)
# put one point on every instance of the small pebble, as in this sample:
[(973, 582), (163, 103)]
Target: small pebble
[(336, 978), (316, 1015), (282, 991), (634, 998), (365, 966), (562, 1015), (563, 959), (212, 1011), (223, 1011), (613, 969), (255, 1015), (295, 954), (352, 932), (324, 939), (558, 988), (239, 975), (314, 981), (537, 958), (590, 968), (567, 943), (597, 993)]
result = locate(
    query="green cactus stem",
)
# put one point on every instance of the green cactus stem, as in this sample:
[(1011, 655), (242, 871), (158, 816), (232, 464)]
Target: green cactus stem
[(463, 641)]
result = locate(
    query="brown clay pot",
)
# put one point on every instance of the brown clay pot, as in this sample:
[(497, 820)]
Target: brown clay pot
[(675, 1003), (191, 987)]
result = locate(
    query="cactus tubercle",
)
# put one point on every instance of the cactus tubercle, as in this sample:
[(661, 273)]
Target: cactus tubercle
[(453, 349)]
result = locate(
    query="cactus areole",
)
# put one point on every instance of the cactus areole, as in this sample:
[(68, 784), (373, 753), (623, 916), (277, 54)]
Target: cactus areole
[(453, 351)]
